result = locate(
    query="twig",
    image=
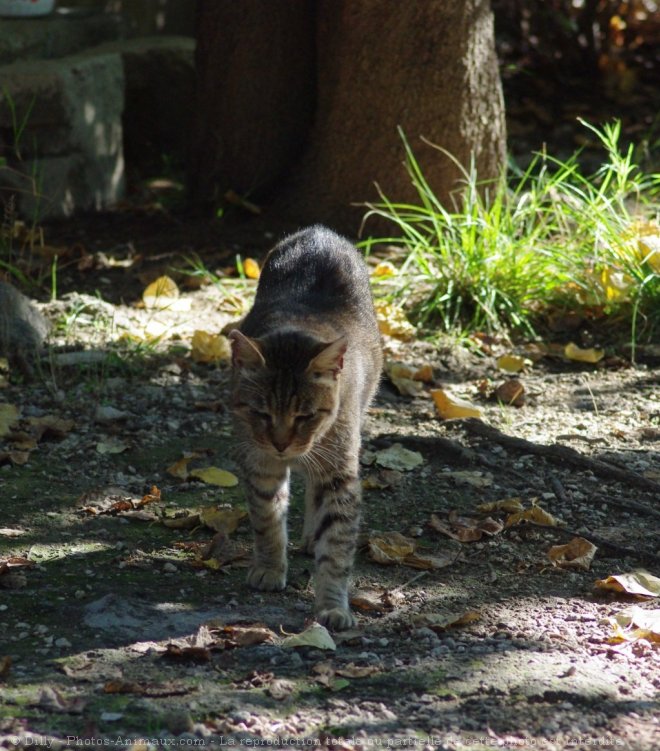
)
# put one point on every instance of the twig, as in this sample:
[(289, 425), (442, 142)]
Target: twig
[(558, 489), (406, 584), (561, 455)]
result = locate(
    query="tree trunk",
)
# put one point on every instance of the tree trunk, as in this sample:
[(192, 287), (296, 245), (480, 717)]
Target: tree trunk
[(428, 67), (255, 93)]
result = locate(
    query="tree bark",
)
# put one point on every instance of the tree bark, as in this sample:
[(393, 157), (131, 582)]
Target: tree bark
[(428, 67), (255, 93)]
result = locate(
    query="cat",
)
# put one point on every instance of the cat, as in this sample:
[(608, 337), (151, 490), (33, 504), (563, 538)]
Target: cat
[(306, 363)]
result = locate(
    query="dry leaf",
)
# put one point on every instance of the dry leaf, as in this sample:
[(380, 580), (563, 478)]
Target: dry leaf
[(534, 515), (389, 548), (357, 671), (639, 583), (187, 654), (315, 635), (163, 293), (222, 519), (210, 347), (649, 248), (243, 636), (50, 426), (442, 622), (513, 363), (111, 446), (449, 406), (475, 479), (635, 623), (398, 458), (401, 377), (465, 529), (573, 352), (215, 476), (578, 553), (384, 269), (188, 521), (392, 321), (508, 504), (280, 689), (251, 268)]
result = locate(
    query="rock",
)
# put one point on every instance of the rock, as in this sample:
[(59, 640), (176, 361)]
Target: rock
[(70, 153), (22, 329)]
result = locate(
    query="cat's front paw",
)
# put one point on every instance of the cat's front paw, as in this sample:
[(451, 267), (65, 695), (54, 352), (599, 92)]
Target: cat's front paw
[(266, 579), (336, 619)]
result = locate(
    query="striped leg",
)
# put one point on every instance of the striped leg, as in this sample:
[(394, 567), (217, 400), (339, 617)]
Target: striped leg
[(268, 499), (337, 519)]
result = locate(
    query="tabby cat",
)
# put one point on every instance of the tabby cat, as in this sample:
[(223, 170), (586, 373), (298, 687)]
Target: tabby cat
[(306, 364)]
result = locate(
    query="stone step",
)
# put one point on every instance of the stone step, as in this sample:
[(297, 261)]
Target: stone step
[(64, 121), (57, 35)]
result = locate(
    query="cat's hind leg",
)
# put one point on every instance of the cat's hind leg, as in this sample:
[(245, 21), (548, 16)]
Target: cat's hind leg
[(268, 499)]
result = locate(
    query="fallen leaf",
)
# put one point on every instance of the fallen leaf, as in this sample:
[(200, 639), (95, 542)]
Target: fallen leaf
[(162, 293), (392, 321), (50, 426), (635, 623), (251, 268), (8, 418), (11, 531), (357, 671), (384, 269), (367, 605), (224, 520), (534, 515), (187, 521), (465, 529), (111, 446), (578, 553), (573, 352), (649, 248), (215, 476), (444, 621), (244, 636), (207, 347), (507, 504), (450, 407), (389, 548), (639, 583), (187, 654), (315, 635), (401, 377), (153, 496), (397, 457), (14, 457), (616, 284), (513, 363)]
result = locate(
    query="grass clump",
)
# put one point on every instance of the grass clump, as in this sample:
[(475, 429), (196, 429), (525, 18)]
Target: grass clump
[(546, 241)]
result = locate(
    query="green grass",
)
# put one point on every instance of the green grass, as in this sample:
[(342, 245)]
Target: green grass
[(542, 241)]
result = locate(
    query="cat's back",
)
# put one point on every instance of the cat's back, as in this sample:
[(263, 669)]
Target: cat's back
[(316, 269)]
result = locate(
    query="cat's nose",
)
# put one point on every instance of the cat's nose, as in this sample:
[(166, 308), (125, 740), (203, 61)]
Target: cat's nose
[(281, 444)]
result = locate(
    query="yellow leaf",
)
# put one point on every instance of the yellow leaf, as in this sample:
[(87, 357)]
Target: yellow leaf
[(535, 515), (616, 284), (222, 519), (8, 417), (251, 268), (111, 446), (650, 248), (424, 374), (316, 636), (215, 476), (640, 583), (512, 363), (161, 293), (210, 347), (384, 269), (573, 352), (450, 406), (578, 553), (392, 321)]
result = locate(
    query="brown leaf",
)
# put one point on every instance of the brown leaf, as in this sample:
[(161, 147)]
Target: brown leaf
[(444, 621), (639, 583), (578, 553), (465, 529), (511, 392), (153, 496), (535, 515), (187, 654)]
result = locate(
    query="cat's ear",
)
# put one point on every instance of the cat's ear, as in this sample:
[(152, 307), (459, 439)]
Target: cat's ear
[(330, 359), (245, 352)]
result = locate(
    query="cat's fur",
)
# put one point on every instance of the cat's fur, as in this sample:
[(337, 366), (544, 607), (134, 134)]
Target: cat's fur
[(306, 363)]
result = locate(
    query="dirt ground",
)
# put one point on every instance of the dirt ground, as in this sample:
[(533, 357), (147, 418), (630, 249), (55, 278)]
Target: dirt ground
[(495, 648)]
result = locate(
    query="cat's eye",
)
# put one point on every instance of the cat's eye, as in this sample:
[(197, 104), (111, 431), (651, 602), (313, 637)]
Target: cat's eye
[(261, 415), (305, 417)]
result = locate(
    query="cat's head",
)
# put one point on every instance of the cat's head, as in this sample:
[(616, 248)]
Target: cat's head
[(286, 389)]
